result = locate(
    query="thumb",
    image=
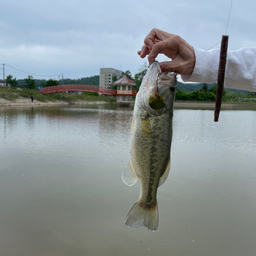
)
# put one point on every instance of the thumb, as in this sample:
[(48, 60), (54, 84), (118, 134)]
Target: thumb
[(168, 66)]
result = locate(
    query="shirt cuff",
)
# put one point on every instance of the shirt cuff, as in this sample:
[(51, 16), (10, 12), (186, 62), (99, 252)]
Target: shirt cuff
[(206, 67)]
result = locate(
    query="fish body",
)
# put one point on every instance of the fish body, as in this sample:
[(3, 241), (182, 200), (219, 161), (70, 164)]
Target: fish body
[(150, 144)]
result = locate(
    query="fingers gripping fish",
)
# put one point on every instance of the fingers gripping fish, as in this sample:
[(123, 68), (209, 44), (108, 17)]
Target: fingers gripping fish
[(150, 144)]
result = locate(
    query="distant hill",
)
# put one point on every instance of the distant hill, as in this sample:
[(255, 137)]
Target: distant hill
[(95, 80), (21, 82), (92, 80), (190, 87)]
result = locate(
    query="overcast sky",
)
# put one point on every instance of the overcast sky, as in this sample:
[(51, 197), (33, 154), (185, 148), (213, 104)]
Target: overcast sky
[(78, 37)]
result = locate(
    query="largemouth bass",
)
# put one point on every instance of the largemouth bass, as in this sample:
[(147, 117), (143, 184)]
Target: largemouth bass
[(150, 144)]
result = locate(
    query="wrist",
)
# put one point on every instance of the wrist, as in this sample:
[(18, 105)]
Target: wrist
[(206, 67)]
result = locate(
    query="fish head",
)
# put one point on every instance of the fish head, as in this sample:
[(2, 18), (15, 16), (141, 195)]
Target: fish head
[(157, 91), (167, 86), (148, 85)]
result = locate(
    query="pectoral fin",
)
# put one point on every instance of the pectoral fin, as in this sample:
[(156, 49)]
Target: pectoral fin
[(129, 176), (165, 174)]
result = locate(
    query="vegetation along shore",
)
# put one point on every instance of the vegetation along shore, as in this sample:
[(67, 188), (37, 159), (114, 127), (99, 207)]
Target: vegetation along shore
[(187, 95), (13, 97)]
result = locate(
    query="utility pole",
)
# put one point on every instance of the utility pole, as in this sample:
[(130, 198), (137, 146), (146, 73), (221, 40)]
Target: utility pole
[(4, 76)]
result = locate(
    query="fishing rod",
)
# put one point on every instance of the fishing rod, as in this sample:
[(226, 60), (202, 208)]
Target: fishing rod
[(221, 76), (221, 71)]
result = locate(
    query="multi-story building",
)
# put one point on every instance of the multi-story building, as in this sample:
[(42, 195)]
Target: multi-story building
[(106, 75)]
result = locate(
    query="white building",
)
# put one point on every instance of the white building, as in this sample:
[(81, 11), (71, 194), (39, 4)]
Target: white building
[(106, 75)]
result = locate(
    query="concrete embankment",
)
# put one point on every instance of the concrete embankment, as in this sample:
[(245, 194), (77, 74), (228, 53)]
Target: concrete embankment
[(27, 102), (211, 105), (20, 101)]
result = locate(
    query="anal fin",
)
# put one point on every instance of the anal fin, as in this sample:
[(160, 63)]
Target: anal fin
[(129, 176)]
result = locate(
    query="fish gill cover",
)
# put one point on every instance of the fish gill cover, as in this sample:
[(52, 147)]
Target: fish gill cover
[(156, 102)]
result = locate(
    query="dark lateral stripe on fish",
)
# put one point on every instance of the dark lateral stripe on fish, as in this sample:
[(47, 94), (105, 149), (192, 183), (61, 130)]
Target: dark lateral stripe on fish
[(152, 175)]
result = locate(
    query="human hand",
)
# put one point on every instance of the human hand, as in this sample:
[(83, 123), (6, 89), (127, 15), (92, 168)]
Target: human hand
[(174, 47)]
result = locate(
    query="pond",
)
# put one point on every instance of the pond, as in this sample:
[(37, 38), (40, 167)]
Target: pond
[(61, 192)]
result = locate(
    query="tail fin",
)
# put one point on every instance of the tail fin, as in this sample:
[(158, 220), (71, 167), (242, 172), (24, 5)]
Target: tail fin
[(142, 216)]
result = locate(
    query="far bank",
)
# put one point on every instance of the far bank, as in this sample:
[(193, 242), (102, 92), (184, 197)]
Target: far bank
[(211, 105), (10, 97), (27, 102)]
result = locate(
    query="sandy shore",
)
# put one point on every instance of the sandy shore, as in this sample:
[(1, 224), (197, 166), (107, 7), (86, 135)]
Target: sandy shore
[(27, 102)]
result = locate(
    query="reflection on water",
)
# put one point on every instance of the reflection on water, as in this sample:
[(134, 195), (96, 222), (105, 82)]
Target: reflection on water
[(61, 192)]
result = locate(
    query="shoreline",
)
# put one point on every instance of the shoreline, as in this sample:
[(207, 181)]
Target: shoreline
[(211, 105), (204, 105), (26, 102)]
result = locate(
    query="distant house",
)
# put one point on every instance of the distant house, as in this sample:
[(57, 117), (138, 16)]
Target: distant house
[(126, 88)]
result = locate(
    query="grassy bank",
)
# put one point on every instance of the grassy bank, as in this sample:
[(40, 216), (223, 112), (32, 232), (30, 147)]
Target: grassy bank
[(12, 95)]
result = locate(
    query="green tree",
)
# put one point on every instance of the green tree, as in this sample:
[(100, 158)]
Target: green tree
[(241, 95), (43, 84), (210, 96), (114, 79), (11, 81), (139, 76), (180, 95), (90, 93), (51, 82), (30, 83), (204, 88), (214, 90), (195, 95), (128, 74), (251, 95)]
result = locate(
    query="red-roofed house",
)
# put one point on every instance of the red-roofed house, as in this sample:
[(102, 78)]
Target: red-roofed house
[(126, 88)]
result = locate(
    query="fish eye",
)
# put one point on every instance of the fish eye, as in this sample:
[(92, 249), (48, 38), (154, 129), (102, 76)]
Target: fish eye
[(172, 89)]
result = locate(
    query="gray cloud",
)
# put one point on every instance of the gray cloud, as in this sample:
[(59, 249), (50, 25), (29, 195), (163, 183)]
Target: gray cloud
[(77, 38)]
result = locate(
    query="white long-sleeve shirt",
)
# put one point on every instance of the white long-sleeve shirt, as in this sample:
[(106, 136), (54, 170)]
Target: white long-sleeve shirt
[(240, 68)]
